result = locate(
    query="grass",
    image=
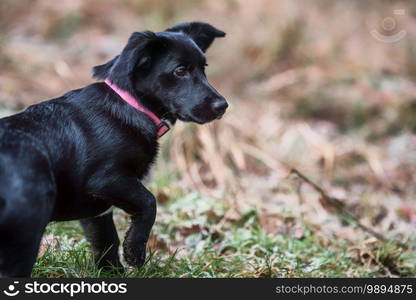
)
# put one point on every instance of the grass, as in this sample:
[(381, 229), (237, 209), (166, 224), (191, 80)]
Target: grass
[(197, 236)]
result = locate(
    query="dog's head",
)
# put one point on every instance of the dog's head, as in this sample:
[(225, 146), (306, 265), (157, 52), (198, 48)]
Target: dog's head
[(166, 70)]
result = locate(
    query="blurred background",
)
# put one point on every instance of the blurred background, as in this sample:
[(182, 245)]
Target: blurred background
[(325, 87)]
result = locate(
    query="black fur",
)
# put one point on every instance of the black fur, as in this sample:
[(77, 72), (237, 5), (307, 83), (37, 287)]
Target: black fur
[(76, 156)]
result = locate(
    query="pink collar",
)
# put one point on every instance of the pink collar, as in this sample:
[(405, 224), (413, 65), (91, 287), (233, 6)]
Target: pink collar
[(162, 126)]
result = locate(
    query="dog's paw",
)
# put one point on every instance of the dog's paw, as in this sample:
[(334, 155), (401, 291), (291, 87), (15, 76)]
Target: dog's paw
[(135, 254)]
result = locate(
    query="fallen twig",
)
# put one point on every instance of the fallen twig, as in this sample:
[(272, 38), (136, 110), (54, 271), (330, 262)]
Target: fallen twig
[(340, 208)]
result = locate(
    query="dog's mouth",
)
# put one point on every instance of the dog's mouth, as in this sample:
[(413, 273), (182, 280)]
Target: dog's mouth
[(185, 118), (198, 120)]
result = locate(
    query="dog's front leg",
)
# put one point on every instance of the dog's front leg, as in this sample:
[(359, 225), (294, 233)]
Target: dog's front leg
[(131, 196), (143, 216)]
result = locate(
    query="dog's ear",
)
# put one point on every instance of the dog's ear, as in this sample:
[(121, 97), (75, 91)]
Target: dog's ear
[(134, 55), (203, 34), (102, 71)]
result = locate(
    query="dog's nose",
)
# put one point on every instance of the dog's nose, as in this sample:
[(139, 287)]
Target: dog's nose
[(219, 106)]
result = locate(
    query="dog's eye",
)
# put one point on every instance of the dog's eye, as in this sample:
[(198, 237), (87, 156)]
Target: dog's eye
[(181, 71)]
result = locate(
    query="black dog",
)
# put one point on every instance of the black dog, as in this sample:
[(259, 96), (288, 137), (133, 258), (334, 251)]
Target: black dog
[(76, 156)]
